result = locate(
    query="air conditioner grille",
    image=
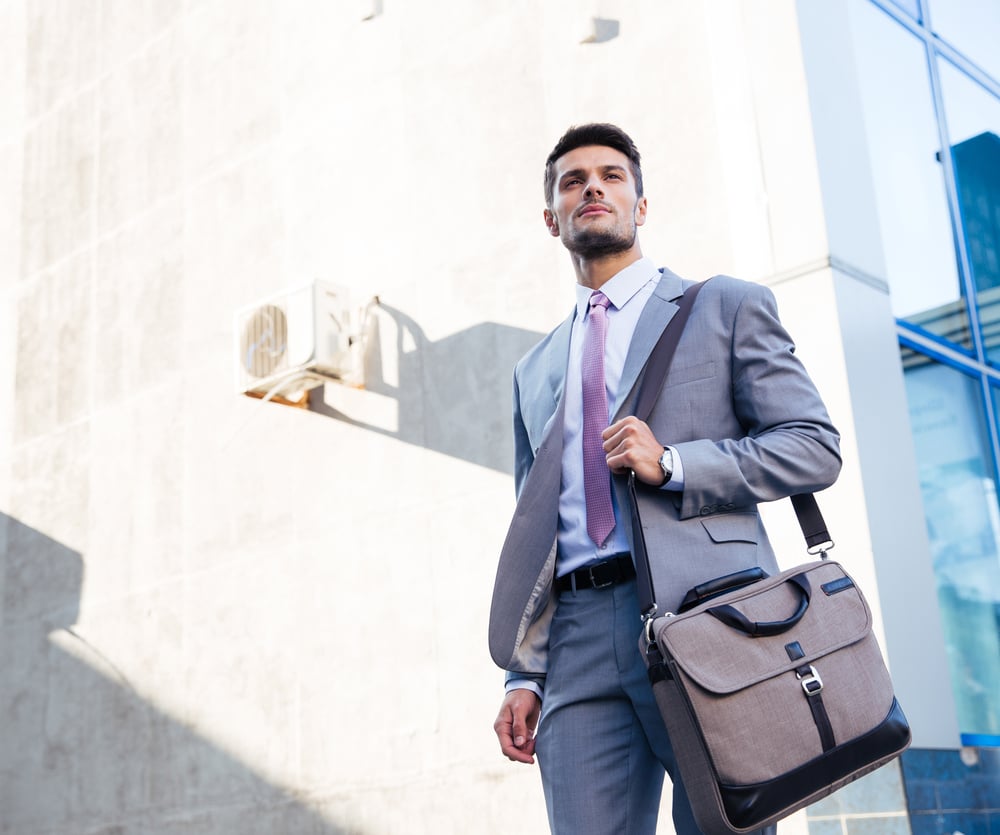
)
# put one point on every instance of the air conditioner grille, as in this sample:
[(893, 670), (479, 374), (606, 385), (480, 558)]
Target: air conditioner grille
[(264, 343)]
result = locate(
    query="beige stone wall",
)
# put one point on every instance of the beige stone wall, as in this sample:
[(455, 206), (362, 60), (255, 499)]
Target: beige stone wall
[(223, 616)]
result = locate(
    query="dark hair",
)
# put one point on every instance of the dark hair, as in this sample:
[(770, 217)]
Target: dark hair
[(597, 133)]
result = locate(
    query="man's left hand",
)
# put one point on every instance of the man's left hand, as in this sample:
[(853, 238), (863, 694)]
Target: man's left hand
[(630, 445)]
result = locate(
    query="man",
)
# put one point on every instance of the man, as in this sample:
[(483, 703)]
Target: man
[(737, 422)]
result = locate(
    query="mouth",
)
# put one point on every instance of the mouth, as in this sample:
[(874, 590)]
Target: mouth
[(593, 209)]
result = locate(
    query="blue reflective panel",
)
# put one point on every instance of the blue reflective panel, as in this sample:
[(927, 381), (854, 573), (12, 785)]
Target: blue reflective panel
[(972, 27), (903, 147), (963, 524), (973, 117)]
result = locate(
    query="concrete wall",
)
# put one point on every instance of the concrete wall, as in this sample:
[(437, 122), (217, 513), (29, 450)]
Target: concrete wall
[(226, 616)]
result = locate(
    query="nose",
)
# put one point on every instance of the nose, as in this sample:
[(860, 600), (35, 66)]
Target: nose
[(593, 188)]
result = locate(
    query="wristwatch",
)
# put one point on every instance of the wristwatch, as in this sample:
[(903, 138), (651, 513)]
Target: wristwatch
[(667, 465)]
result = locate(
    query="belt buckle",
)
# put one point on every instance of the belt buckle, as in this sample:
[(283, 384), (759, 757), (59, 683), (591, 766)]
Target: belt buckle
[(593, 580)]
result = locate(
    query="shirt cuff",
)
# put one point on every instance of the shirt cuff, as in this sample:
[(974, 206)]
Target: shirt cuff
[(676, 481), (523, 684)]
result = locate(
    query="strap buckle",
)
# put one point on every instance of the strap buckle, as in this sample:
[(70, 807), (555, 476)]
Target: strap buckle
[(811, 682)]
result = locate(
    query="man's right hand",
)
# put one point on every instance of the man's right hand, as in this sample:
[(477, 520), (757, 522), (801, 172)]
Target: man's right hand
[(515, 725)]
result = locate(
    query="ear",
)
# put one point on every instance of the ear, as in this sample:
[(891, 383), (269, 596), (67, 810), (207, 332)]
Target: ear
[(640, 211), (551, 222)]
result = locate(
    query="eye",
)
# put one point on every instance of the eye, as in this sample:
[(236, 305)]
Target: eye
[(614, 175)]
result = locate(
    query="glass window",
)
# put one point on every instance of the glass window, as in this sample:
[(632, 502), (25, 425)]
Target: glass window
[(973, 117), (904, 143), (908, 6), (963, 523), (972, 27)]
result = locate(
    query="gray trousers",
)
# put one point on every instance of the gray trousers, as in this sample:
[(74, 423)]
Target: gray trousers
[(602, 746)]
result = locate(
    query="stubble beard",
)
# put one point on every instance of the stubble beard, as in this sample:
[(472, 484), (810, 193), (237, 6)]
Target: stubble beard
[(599, 243)]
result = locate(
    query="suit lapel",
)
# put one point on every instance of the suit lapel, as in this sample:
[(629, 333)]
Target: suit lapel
[(559, 356), (659, 310), (556, 361)]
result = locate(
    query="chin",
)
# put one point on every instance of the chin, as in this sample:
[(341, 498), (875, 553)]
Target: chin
[(597, 244)]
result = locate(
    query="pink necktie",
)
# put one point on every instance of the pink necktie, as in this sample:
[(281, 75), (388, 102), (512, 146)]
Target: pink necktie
[(596, 476)]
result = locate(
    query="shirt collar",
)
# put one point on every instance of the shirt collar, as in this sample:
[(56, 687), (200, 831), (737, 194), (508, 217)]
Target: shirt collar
[(621, 287)]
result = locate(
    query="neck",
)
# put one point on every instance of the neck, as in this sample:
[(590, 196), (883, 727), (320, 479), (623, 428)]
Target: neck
[(594, 272)]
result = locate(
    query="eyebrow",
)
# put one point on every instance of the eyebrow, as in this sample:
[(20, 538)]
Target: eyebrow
[(579, 172)]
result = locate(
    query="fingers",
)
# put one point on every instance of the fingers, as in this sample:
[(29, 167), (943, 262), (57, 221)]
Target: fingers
[(515, 725), (516, 746), (630, 445)]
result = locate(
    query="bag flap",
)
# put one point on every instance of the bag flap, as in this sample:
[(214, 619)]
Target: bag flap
[(723, 659)]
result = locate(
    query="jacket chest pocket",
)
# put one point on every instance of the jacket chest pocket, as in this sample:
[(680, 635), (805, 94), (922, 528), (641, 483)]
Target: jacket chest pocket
[(739, 527), (691, 373)]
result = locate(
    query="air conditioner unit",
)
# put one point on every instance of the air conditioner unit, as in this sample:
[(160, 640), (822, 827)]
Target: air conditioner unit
[(297, 340)]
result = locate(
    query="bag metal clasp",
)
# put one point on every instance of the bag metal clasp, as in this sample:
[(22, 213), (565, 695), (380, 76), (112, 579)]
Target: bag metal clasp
[(810, 681), (821, 549)]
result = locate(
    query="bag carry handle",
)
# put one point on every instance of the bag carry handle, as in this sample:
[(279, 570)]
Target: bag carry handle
[(719, 586), (733, 617)]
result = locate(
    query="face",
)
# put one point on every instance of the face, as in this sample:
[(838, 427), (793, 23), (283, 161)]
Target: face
[(594, 209)]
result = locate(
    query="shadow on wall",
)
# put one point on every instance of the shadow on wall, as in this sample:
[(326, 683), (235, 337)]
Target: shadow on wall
[(82, 751), (452, 395)]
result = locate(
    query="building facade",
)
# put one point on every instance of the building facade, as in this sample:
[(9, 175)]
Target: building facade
[(907, 147), (224, 615)]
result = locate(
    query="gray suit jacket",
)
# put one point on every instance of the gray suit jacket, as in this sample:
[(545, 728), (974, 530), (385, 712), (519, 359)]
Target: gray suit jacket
[(741, 411)]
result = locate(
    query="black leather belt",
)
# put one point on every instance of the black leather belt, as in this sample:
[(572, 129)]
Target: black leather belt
[(599, 575)]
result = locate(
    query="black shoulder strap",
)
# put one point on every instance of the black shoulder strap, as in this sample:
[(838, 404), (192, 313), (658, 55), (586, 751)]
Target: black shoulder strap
[(654, 374), (662, 354)]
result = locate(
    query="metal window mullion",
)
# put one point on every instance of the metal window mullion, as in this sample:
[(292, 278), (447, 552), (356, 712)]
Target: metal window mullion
[(942, 351), (985, 375), (932, 45), (951, 193), (923, 30), (901, 17), (935, 46), (965, 66)]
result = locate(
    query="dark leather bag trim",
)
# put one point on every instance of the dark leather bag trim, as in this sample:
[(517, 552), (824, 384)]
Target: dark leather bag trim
[(837, 585), (657, 668), (720, 585), (748, 806)]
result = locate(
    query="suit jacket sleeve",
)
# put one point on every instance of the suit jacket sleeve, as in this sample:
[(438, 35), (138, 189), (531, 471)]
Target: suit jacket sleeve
[(787, 445)]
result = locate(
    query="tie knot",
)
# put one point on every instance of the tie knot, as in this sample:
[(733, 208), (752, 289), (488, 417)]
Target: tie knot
[(598, 299)]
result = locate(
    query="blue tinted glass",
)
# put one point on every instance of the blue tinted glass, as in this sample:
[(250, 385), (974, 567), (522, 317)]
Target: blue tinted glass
[(903, 146), (963, 524), (973, 117), (972, 27)]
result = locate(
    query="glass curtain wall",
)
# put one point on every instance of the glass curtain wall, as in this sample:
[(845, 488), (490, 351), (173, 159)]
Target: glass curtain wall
[(932, 114)]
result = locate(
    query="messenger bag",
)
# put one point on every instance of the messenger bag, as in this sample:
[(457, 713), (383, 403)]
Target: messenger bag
[(773, 689)]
